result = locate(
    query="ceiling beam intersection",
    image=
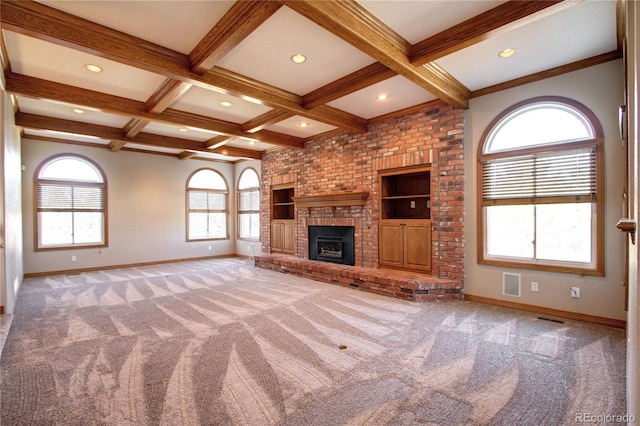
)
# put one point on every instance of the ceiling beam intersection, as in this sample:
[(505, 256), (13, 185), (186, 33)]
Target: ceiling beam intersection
[(354, 24)]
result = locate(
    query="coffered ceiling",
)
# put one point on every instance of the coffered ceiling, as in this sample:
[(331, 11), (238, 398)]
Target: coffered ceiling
[(215, 79)]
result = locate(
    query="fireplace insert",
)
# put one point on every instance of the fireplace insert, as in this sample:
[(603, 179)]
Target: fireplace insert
[(332, 244)]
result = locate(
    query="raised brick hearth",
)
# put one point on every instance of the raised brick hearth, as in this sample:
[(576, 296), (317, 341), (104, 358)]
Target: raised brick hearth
[(399, 284)]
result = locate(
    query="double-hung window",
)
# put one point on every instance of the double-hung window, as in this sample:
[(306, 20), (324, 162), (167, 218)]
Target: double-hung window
[(249, 205), (207, 211), (541, 188), (70, 200)]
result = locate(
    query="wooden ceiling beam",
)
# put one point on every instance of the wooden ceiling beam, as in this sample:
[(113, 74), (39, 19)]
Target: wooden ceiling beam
[(354, 24), (367, 76), (241, 20), (216, 142), (237, 152), (45, 23), (185, 155), (264, 120), (500, 19), (168, 92), (164, 96), (134, 126), (116, 145), (42, 89), (39, 122)]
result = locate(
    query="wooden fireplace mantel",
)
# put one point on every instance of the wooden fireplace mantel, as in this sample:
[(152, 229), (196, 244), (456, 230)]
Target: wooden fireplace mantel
[(332, 200)]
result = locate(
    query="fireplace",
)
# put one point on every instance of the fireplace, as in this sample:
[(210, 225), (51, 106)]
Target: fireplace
[(332, 244)]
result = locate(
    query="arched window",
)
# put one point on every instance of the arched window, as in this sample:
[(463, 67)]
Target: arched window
[(70, 198), (249, 205), (207, 211), (541, 188)]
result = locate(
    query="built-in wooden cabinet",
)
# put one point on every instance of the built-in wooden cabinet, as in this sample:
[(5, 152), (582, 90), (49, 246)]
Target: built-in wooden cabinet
[(282, 236), (406, 244), (282, 219), (405, 219)]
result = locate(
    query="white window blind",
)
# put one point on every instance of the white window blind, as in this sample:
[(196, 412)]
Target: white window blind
[(56, 197), (564, 176)]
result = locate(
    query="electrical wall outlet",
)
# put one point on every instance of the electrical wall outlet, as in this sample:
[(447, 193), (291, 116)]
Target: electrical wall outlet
[(73, 258), (534, 286), (209, 248), (575, 292)]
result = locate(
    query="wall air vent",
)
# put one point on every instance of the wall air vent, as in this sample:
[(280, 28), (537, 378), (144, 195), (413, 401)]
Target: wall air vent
[(511, 284)]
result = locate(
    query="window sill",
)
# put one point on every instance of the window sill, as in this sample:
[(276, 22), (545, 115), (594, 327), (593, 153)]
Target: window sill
[(71, 247), (563, 269)]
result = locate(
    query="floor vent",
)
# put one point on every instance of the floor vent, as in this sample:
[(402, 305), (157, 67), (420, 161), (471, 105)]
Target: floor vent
[(511, 284)]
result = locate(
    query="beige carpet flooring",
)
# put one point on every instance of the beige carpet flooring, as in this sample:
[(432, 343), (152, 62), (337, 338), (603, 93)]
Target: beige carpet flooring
[(224, 343)]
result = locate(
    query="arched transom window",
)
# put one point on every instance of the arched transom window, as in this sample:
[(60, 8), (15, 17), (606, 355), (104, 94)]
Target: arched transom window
[(70, 203), (540, 188), (249, 205), (207, 211)]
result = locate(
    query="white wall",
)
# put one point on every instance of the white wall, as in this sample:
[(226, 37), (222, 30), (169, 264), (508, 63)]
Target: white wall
[(600, 89), (146, 209), (11, 207)]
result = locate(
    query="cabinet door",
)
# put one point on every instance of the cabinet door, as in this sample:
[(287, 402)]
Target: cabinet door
[(417, 245), (391, 244), (287, 237), (277, 237)]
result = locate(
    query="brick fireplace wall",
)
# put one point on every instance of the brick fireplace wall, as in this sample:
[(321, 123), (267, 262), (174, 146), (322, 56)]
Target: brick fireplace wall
[(348, 162)]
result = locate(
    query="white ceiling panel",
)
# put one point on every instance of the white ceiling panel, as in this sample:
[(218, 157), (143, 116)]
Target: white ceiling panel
[(400, 93), (182, 132), (65, 111), (418, 20), (266, 54), (206, 102), (48, 61), (248, 144), (571, 35), (188, 21), (292, 126)]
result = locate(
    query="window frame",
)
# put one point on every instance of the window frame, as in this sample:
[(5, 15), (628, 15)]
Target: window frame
[(597, 265), (239, 193), (37, 182), (188, 190)]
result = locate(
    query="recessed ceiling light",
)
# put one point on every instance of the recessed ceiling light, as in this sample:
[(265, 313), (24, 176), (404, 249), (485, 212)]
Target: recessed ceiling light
[(382, 97), (226, 103), (183, 129), (252, 142), (93, 68), (507, 52), (303, 124), (78, 110), (298, 59)]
